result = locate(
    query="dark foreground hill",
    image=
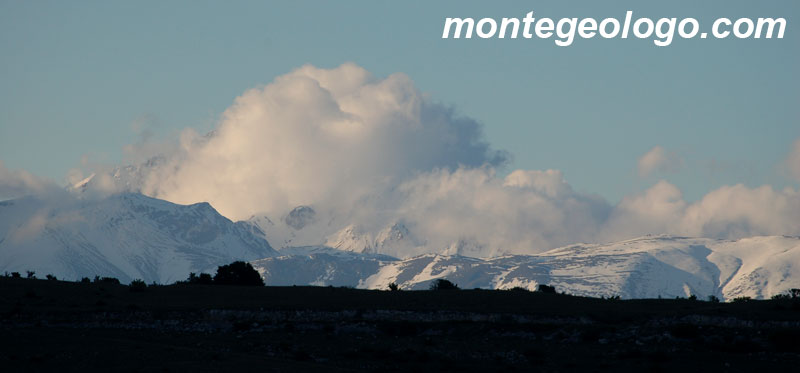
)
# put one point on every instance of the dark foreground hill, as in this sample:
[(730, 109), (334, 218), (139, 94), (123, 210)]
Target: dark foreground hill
[(65, 326)]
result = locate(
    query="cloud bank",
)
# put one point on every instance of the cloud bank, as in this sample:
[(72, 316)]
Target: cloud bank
[(657, 160), (16, 183), (319, 137), (369, 152)]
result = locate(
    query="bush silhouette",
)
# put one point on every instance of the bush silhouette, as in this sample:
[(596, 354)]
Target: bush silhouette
[(791, 294), (31, 274), (15, 275), (106, 280), (202, 279), (519, 288), (546, 289), (137, 286), (713, 299), (51, 277), (85, 280), (238, 273), (393, 287), (442, 284)]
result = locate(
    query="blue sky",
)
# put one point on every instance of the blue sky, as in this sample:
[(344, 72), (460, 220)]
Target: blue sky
[(76, 76)]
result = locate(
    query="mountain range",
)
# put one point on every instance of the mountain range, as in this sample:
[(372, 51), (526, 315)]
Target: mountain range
[(128, 236), (132, 236)]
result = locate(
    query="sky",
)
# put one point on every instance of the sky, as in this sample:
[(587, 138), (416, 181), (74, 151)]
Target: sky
[(82, 79)]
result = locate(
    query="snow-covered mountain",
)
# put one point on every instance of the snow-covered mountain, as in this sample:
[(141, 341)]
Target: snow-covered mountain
[(130, 236), (123, 179), (319, 266), (126, 235), (394, 239), (647, 267)]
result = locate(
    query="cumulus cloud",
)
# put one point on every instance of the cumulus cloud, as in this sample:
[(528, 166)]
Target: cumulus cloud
[(16, 183), (369, 152), (793, 160), (738, 211), (658, 160), (317, 136), (528, 210), (728, 212)]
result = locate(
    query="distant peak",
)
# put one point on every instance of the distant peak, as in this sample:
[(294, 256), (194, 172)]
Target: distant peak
[(300, 216)]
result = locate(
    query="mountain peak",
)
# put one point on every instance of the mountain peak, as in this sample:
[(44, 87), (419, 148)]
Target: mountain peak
[(125, 235)]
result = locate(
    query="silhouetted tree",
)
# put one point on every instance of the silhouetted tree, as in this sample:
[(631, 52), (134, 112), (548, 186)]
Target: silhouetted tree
[(15, 275), (790, 294), (393, 287), (542, 288), (442, 284), (713, 299), (106, 280), (137, 286), (238, 273), (31, 274), (202, 279), (51, 277)]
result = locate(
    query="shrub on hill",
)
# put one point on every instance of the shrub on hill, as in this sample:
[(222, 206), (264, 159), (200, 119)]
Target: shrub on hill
[(238, 273), (394, 287), (546, 289), (442, 284), (137, 286), (106, 280), (519, 288), (791, 294), (15, 275), (201, 279)]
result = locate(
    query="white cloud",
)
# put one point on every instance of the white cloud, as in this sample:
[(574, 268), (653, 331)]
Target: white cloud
[(317, 136), (16, 183), (658, 160), (371, 152), (502, 215), (738, 211), (658, 210)]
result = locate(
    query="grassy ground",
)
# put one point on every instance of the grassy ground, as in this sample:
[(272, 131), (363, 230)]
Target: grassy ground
[(58, 325)]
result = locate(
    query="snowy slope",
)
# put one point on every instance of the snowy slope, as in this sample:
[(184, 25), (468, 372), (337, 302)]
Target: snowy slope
[(646, 267), (319, 266), (133, 236), (396, 239), (126, 236)]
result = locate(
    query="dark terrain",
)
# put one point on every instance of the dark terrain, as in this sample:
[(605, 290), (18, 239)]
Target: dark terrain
[(48, 325)]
